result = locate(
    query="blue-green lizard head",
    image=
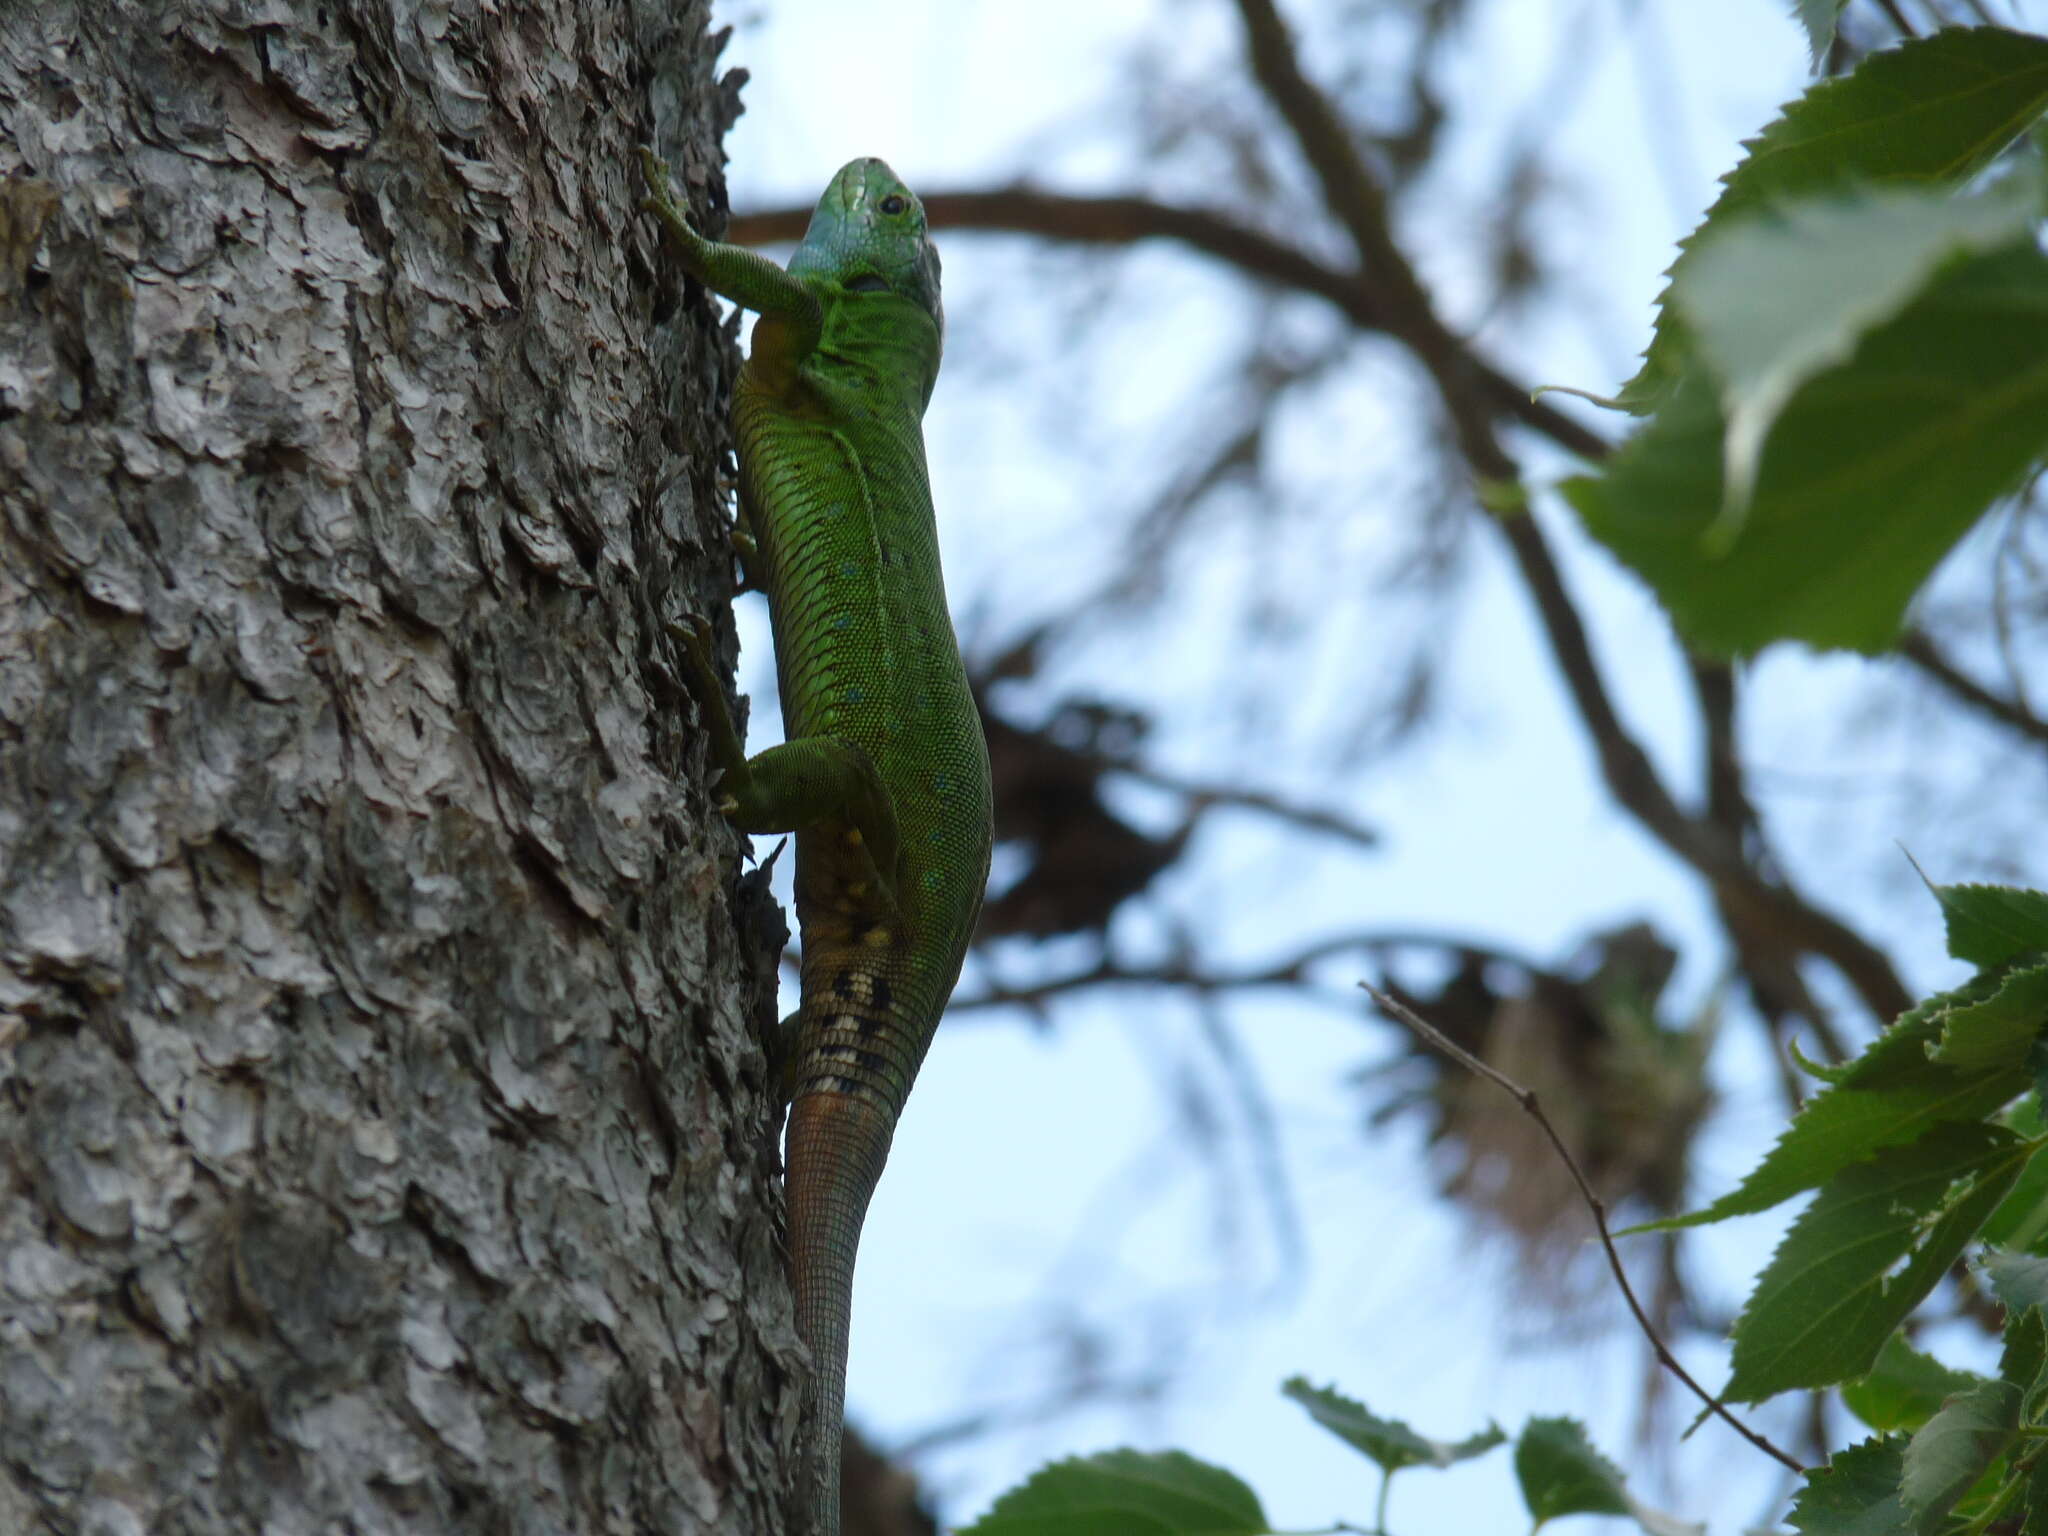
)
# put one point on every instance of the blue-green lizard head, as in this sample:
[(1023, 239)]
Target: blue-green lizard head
[(868, 235)]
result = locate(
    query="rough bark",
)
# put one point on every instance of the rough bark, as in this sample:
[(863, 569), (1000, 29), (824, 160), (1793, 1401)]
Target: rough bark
[(381, 1144)]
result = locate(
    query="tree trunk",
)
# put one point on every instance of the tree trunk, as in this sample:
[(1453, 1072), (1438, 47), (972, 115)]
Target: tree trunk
[(382, 1145)]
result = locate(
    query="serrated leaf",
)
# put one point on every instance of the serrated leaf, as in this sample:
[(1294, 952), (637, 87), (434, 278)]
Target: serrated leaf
[(1954, 1449), (1126, 1493), (1562, 1474), (1874, 470), (1904, 1388), (2036, 1503), (2000, 1031), (1935, 109), (1824, 1305), (2025, 1350), (1818, 17), (2018, 1280), (1899, 1055), (1991, 924), (2021, 1220), (1888, 1096), (1389, 1442), (1777, 297), (1855, 1494)]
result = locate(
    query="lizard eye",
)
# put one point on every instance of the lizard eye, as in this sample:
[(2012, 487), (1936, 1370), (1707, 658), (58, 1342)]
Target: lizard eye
[(867, 282), (892, 204)]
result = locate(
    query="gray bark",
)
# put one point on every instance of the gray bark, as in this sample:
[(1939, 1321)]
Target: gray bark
[(381, 1144)]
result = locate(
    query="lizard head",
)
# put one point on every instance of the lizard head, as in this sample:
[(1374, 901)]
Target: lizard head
[(868, 235)]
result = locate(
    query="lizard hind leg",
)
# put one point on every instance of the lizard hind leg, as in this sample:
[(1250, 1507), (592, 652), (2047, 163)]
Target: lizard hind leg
[(826, 786), (803, 785)]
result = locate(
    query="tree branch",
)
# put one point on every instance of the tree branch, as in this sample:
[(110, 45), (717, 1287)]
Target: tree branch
[(1388, 298), (1917, 647), (1126, 220), (1291, 972), (1526, 1097), (1332, 154), (1201, 797)]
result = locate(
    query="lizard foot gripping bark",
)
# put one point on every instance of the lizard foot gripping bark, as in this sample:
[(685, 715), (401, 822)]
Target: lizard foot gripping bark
[(883, 775)]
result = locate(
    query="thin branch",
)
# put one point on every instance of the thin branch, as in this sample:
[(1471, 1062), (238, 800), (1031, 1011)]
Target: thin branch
[(1049, 1406), (1127, 220), (1390, 299), (1526, 1097), (1898, 19), (1256, 1106), (1918, 647), (1347, 182), (1202, 796), (1291, 972), (1634, 784)]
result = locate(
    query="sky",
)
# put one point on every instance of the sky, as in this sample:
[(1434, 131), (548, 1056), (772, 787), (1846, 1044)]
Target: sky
[(1043, 1188)]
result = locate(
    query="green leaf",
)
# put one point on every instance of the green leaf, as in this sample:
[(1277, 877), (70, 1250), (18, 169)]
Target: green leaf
[(1126, 1493), (1955, 1448), (2036, 1503), (1904, 1388), (1899, 1055), (1991, 924), (1874, 470), (2000, 1031), (1388, 1442), (1823, 1306), (2018, 1280), (1890, 1095), (2021, 1220), (1775, 298), (1855, 1494), (1818, 17), (2026, 1348), (1562, 1474), (1935, 109)]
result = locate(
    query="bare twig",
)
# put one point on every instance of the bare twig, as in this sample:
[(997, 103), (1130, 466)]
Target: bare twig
[(1202, 796), (1918, 647), (1291, 972), (1332, 155), (1256, 1106), (1387, 296), (1130, 219), (1526, 1097)]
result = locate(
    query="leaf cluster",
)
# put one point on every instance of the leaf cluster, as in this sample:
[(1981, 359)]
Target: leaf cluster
[(1169, 1493), (1850, 363), (1922, 1146)]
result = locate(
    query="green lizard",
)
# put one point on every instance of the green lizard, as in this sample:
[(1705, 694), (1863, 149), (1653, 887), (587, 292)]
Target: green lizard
[(884, 775)]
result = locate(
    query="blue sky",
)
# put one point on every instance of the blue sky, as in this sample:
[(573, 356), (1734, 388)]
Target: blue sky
[(1042, 1173)]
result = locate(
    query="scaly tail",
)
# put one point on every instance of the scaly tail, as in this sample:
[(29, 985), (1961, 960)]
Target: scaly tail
[(837, 1145)]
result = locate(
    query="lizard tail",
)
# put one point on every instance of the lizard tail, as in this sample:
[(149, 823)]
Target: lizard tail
[(837, 1145)]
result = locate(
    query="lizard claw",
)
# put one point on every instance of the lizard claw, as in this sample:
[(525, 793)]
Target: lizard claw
[(694, 635)]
